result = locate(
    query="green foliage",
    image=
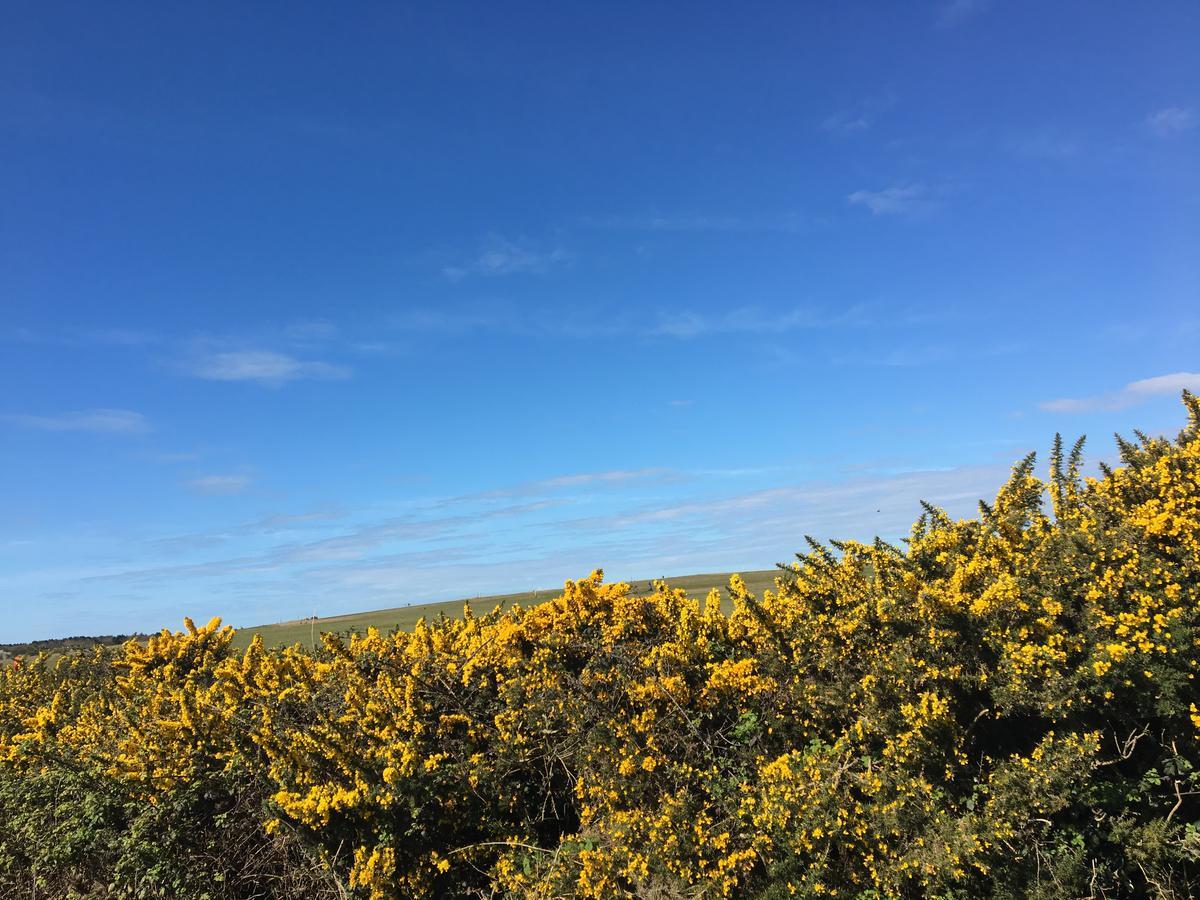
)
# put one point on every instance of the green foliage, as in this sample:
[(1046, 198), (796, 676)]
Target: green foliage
[(70, 834)]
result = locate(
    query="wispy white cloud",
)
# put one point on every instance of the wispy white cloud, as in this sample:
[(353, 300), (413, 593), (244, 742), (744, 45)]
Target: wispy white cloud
[(435, 552), (105, 421), (271, 356), (1170, 121), (584, 478), (265, 367), (956, 12), (846, 122), (899, 200), (686, 324), (269, 526), (857, 118), (219, 485), (860, 508), (502, 256), (354, 543), (1130, 395), (616, 478), (679, 324)]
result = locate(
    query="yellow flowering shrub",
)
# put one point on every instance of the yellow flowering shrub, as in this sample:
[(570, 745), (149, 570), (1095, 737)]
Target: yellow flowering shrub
[(1005, 706)]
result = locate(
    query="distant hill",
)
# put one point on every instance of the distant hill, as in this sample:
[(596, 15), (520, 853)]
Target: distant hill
[(307, 631), (63, 645)]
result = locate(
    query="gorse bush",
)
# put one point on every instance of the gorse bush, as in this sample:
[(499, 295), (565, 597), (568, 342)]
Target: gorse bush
[(1004, 707)]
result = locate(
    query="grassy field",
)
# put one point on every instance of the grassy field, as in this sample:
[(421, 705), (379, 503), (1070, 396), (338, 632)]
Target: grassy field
[(305, 631)]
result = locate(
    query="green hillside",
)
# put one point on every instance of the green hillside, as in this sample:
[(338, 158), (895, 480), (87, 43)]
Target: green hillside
[(305, 631)]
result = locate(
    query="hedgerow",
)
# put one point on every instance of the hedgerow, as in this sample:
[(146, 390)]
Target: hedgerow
[(1004, 707)]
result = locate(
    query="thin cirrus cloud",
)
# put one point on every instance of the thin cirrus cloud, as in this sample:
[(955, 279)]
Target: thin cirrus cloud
[(264, 367), (1130, 395), (687, 324), (678, 324), (219, 485), (1170, 121), (616, 478), (639, 535), (501, 256), (857, 118), (846, 122), (898, 200), (100, 421)]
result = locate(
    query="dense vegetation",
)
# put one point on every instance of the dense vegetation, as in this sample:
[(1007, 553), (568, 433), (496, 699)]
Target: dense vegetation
[(309, 631), (1004, 707), (10, 652)]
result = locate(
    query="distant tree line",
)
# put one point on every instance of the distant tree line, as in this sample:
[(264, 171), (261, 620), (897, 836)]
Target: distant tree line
[(66, 644)]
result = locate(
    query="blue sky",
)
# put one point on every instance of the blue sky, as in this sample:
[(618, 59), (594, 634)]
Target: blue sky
[(304, 308)]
